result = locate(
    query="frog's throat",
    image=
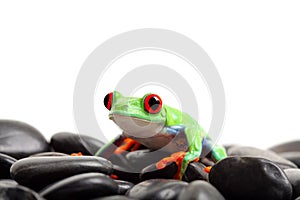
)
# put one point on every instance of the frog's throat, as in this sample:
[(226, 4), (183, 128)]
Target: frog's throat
[(137, 127), (135, 117)]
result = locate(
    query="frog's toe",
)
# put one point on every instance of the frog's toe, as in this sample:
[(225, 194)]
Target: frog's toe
[(175, 157), (127, 145), (207, 169), (219, 153)]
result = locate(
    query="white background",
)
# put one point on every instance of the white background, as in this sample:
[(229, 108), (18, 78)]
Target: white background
[(255, 46)]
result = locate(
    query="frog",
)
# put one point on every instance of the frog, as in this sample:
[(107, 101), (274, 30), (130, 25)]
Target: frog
[(148, 122)]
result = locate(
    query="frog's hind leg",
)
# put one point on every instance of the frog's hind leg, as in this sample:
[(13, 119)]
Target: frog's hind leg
[(218, 153), (183, 158)]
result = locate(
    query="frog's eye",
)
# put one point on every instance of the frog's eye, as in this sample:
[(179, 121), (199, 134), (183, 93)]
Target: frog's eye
[(108, 100), (152, 103)]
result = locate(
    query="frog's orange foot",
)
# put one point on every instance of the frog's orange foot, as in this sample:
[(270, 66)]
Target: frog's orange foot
[(207, 169), (76, 154), (126, 145), (175, 157)]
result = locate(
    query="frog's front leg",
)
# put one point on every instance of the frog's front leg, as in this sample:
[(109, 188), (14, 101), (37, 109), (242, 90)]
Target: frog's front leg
[(117, 146), (218, 153), (128, 144)]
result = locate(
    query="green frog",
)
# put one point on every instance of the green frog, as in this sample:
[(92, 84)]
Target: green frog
[(147, 121)]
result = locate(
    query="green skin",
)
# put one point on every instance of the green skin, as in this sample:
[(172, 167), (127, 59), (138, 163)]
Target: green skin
[(149, 129)]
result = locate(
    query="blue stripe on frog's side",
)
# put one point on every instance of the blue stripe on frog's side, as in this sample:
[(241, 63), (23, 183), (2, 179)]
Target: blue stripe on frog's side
[(175, 130)]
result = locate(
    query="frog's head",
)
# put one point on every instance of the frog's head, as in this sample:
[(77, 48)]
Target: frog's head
[(137, 117)]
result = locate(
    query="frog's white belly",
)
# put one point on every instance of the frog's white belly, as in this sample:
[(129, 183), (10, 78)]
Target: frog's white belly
[(152, 135), (164, 141)]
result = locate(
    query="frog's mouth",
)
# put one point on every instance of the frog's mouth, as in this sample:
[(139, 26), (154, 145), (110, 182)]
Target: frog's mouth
[(137, 127)]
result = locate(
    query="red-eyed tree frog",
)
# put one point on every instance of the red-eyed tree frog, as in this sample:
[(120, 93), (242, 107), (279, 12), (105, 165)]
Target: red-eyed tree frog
[(149, 122)]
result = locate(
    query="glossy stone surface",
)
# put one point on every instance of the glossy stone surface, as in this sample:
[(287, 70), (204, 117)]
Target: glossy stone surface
[(49, 154), (200, 190), (115, 197), (126, 174), (151, 172), (160, 189), (20, 140), (38, 172), (143, 158), (286, 147), (195, 171), (81, 187), (10, 190), (294, 178), (69, 143), (255, 152), (250, 178), (5, 164), (123, 186), (293, 156)]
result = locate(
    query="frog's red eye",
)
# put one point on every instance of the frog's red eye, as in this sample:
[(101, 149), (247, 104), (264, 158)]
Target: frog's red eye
[(152, 103), (108, 100)]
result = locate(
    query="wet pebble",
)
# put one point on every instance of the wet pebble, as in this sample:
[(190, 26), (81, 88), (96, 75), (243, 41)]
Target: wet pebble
[(293, 156), (5, 164), (49, 154), (286, 147), (250, 178), (151, 172), (121, 160), (20, 140), (142, 158), (157, 189), (38, 172), (10, 190), (69, 143), (294, 178), (255, 152), (195, 171), (81, 187), (115, 197), (200, 190), (126, 174), (123, 186)]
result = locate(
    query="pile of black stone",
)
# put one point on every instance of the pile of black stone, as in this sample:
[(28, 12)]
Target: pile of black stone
[(32, 168)]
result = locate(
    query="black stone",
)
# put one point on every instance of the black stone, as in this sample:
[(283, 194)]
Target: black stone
[(200, 190), (5, 164), (250, 178), (206, 161), (294, 178), (38, 172), (10, 190), (142, 158), (69, 143), (121, 160), (123, 186), (49, 154), (151, 172), (293, 156), (195, 171), (20, 140), (81, 187), (157, 189), (255, 152), (126, 174), (286, 147), (115, 197)]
